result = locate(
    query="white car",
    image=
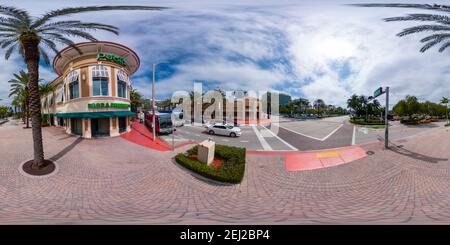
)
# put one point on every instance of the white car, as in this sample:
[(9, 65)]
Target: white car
[(224, 129)]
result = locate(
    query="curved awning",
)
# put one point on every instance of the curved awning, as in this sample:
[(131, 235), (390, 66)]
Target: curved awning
[(97, 114)]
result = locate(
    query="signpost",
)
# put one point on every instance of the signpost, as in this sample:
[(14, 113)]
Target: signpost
[(379, 91)]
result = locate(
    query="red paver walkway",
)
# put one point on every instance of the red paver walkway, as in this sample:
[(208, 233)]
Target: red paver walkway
[(112, 181), (308, 160), (140, 135)]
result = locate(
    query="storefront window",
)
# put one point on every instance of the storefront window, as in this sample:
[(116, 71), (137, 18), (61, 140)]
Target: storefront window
[(73, 85), (122, 84), (122, 89), (100, 81)]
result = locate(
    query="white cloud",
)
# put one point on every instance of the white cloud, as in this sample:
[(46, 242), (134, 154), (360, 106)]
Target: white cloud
[(290, 46)]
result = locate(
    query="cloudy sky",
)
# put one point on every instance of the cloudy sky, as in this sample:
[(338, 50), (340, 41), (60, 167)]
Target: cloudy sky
[(310, 49)]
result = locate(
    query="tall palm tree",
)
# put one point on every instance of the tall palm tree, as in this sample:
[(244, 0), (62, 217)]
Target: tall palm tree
[(19, 89), (445, 101), (31, 36), (440, 23)]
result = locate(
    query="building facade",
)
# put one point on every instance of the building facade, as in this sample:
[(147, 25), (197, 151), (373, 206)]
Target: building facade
[(91, 96)]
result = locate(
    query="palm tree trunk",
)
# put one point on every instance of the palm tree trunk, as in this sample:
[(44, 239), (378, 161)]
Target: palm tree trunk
[(23, 113), (31, 55)]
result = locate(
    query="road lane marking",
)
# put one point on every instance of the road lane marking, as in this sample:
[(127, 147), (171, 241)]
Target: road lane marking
[(332, 132), (280, 139), (261, 139), (225, 140), (295, 132), (311, 137), (244, 141), (353, 136)]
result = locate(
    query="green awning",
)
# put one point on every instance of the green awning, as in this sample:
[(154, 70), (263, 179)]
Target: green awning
[(97, 114)]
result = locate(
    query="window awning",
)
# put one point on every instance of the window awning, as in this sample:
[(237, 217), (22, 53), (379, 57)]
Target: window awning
[(97, 114)]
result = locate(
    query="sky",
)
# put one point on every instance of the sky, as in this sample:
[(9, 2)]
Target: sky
[(309, 49)]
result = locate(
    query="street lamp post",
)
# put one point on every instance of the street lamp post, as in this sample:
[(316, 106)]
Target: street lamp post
[(153, 102), (386, 127)]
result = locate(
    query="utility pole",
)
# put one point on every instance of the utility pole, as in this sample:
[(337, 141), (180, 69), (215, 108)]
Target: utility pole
[(377, 93), (386, 126), (153, 103)]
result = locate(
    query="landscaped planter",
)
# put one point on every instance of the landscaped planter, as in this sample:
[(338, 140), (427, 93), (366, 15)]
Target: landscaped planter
[(228, 165)]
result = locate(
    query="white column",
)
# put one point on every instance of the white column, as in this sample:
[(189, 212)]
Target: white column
[(87, 128), (113, 131)]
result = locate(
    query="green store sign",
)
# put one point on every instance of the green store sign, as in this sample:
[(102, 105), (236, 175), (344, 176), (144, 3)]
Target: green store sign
[(107, 105), (112, 58)]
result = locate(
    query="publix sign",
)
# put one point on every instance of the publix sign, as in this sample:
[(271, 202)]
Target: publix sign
[(111, 58), (107, 105)]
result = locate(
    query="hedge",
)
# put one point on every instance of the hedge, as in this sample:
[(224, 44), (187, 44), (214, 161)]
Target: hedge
[(361, 121), (232, 170), (409, 122)]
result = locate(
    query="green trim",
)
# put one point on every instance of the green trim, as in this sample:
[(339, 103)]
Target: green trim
[(97, 114), (108, 105)]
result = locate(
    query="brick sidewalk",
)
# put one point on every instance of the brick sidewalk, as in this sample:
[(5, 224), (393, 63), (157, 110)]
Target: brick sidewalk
[(112, 180)]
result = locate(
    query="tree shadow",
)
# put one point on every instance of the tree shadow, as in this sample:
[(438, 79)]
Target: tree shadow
[(415, 155), (66, 150)]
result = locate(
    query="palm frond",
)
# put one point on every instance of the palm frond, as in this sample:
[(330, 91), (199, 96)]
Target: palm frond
[(15, 13), (445, 46), (61, 39), (82, 34), (67, 11), (2, 29), (422, 28), (79, 25), (441, 36), (429, 45), (44, 55), (6, 42), (9, 51), (439, 7), (50, 44), (443, 19)]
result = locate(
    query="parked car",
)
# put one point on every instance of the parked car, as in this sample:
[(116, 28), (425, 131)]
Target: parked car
[(223, 129)]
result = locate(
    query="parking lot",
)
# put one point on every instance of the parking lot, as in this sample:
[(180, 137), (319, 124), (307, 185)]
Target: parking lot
[(291, 134)]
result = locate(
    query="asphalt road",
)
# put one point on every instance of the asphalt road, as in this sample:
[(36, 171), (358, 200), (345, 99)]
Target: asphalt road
[(300, 135)]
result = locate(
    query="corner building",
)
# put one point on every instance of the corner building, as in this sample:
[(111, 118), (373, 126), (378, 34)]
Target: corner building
[(92, 93)]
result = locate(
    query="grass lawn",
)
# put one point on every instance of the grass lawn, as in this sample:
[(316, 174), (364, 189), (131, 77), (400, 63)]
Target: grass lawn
[(373, 126)]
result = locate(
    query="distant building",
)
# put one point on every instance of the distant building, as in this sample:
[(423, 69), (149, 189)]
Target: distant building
[(284, 99)]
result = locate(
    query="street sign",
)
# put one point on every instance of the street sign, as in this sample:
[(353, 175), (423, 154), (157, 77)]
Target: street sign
[(378, 92)]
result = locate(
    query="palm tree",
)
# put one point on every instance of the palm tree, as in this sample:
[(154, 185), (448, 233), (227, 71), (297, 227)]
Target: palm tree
[(19, 89), (135, 99), (440, 23), (319, 104), (31, 36), (44, 90), (445, 101)]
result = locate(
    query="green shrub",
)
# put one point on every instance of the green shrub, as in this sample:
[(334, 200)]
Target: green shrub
[(409, 121), (232, 170), (44, 120), (362, 121)]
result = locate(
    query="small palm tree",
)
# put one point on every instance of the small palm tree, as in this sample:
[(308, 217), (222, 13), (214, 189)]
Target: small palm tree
[(445, 101), (32, 36), (440, 27), (19, 89), (319, 104), (45, 89)]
